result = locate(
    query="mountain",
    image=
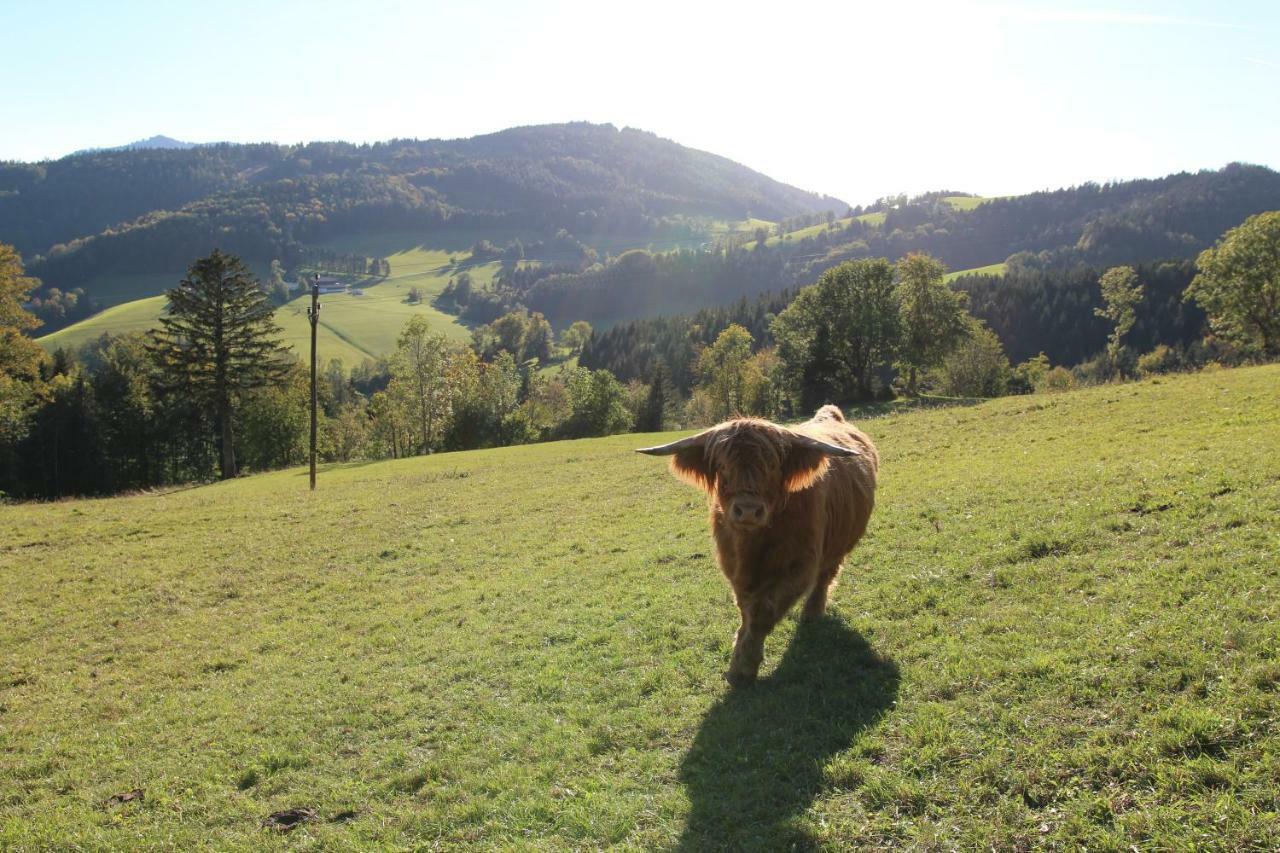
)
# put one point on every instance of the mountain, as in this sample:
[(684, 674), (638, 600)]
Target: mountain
[(159, 141), (144, 209), (1164, 219), (577, 221)]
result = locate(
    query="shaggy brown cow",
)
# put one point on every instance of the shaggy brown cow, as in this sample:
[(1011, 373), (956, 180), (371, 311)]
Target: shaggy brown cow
[(787, 505)]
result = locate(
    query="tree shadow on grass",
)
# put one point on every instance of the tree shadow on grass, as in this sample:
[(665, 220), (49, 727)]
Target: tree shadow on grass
[(756, 762)]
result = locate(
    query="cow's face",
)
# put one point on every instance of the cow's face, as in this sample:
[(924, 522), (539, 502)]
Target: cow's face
[(749, 467)]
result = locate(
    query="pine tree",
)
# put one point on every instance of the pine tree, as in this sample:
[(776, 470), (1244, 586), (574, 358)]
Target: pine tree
[(660, 403), (219, 339)]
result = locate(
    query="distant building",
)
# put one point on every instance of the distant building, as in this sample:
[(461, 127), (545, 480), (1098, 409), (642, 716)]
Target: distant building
[(330, 285)]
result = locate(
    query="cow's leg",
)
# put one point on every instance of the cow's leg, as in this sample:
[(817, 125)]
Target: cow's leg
[(760, 614), (815, 606), (748, 644)]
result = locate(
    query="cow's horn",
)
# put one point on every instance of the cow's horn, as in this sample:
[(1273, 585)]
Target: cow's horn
[(824, 446), (674, 447)]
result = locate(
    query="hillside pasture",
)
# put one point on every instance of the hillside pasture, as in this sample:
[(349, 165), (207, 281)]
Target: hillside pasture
[(1059, 633), (352, 328), (989, 269), (140, 315)]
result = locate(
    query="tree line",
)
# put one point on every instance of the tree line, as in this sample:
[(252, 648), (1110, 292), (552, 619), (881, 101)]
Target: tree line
[(213, 393)]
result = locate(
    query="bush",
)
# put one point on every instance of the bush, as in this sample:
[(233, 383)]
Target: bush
[(976, 368), (1162, 359), (1029, 375), (1057, 379)]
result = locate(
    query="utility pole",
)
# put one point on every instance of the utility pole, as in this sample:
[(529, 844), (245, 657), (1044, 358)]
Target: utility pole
[(313, 314)]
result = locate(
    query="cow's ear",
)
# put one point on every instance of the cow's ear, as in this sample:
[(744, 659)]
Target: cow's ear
[(808, 459), (689, 459), (803, 467), (692, 466)]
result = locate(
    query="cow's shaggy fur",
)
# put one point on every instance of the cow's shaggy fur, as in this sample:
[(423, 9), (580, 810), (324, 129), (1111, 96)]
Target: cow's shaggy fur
[(784, 515)]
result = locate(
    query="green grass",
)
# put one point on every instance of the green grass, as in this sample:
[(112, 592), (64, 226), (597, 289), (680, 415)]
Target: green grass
[(137, 316), (989, 269), (1060, 632), (964, 202), (352, 328), (118, 288), (875, 219), (558, 364), (355, 327)]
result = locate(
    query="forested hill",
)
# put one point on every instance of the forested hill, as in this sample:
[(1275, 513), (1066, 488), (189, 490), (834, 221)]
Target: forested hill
[(1165, 219), (130, 210)]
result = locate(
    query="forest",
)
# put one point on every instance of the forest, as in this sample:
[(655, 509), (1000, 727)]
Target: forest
[(120, 211), (1055, 233)]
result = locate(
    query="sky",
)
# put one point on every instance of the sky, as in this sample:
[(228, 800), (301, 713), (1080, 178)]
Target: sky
[(858, 100)]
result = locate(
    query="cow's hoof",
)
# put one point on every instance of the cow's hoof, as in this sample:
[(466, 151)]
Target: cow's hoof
[(739, 679)]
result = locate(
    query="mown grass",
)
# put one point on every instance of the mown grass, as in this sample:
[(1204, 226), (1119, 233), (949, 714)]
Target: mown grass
[(1060, 631)]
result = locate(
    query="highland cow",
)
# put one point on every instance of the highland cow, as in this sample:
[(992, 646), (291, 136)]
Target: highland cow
[(787, 506)]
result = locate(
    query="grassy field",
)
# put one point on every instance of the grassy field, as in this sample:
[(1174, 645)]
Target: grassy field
[(814, 230), (964, 202), (137, 316), (1061, 631), (352, 327), (989, 269)]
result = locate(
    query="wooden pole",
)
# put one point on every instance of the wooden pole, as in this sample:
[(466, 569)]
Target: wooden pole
[(314, 316)]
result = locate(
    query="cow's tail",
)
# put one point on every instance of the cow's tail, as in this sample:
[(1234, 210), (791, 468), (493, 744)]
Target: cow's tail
[(829, 413)]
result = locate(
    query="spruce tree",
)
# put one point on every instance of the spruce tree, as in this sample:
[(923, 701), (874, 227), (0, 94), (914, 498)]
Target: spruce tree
[(660, 403), (218, 340)]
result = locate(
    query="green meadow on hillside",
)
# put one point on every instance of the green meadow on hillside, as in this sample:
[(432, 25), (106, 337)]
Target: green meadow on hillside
[(1059, 632), (964, 202), (137, 316), (352, 327), (989, 269)]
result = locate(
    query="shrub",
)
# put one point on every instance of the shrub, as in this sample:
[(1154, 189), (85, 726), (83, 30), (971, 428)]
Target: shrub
[(1162, 359), (1057, 379), (977, 367)]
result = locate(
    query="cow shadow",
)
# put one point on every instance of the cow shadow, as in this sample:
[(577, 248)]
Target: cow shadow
[(756, 762)]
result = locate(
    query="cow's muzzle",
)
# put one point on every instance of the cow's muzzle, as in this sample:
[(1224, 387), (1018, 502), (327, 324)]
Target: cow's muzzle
[(747, 512)]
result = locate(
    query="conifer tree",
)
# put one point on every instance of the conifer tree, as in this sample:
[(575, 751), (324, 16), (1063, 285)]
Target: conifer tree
[(218, 340)]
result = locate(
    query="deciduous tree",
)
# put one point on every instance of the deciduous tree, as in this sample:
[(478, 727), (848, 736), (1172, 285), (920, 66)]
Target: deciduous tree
[(848, 321), (933, 316), (20, 357), (1239, 284), (1121, 295), (418, 373)]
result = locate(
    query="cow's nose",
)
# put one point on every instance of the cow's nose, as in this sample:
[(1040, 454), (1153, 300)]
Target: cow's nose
[(748, 511)]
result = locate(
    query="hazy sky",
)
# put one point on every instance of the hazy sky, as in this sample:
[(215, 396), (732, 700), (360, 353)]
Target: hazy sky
[(854, 99)]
